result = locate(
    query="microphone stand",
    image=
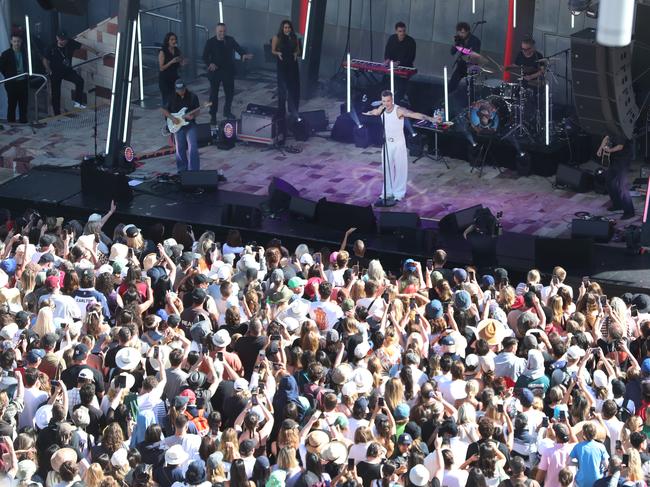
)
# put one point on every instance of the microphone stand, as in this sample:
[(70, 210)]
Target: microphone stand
[(566, 73), (384, 201)]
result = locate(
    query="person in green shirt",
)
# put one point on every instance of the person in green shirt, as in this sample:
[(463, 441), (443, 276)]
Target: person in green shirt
[(533, 376)]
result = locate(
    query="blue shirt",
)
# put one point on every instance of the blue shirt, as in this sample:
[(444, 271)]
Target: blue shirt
[(592, 460)]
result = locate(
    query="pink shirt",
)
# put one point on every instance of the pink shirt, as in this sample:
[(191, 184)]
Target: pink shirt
[(553, 460)]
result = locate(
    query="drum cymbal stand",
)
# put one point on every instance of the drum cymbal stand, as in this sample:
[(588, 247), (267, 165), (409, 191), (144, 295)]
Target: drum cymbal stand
[(519, 129)]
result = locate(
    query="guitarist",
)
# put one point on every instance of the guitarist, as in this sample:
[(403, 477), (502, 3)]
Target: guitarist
[(187, 147)]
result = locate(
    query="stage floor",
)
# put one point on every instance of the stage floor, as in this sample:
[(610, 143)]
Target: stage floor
[(322, 168)]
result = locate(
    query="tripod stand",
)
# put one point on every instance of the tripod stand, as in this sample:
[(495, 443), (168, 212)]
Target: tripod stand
[(519, 129)]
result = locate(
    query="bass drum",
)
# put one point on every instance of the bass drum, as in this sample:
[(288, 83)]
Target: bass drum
[(503, 110)]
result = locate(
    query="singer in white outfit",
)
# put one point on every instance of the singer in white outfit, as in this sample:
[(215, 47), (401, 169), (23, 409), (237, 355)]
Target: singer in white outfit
[(396, 153)]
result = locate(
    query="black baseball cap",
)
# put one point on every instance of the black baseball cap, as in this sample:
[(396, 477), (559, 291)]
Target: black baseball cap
[(62, 34)]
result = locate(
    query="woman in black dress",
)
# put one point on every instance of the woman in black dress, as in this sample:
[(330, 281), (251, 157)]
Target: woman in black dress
[(286, 47), (169, 59)]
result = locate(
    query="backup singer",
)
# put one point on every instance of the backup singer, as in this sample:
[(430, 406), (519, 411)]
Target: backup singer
[(185, 139), (219, 57), (400, 49), (13, 62), (617, 185), (169, 60), (285, 46), (463, 38), (396, 154)]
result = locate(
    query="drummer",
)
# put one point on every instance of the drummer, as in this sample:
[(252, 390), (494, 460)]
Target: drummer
[(529, 59)]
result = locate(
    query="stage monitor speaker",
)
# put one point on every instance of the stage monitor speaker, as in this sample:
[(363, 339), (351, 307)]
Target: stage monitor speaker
[(343, 216), (599, 230), (261, 128), (575, 255), (458, 221), (602, 85), (572, 177), (317, 119), (303, 208), (280, 193), (204, 179), (241, 216), (72, 7), (301, 129), (343, 129), (104, 184), (392, 221)]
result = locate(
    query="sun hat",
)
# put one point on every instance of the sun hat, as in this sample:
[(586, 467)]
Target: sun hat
[(61, 456), (491, 331), (128, 358), (316, 440), (419, 475), (221, 338), (336, 452), (175, 455), (43, 416)]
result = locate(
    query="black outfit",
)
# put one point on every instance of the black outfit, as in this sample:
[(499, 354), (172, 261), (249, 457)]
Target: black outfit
[(60, 59), (617, 184), (474, 449), (17, 90), (472, 42), (168, 77), (529, 63), (288, 76), (403, 52), (70, 376), (221, 54), (248, 348)]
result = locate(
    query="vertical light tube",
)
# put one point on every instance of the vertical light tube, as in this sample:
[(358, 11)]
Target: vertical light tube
[(446, 95), (134, 26), (110, 113), (304, 44), (392, 78), (349, 85), (514, 14), (573, 21), (140, 67), (29, 46), (473, 6), (547, 115), (220, 12)]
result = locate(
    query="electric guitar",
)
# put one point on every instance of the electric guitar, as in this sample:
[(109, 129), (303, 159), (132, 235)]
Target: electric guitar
[(180, 115)]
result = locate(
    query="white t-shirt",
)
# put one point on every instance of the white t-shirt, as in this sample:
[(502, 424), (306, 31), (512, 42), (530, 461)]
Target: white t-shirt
[(33, 399), (65, 306), (454, 478), (358, 452), (325, 314), (222, 305), (377, 308), (335, 277)]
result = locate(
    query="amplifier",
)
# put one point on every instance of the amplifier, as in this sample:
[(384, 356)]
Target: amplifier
[(260, 128)]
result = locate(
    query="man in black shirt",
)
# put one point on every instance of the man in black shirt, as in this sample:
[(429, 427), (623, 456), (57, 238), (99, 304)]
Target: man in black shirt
[(219, 57), (463, 38), (186, 138), (400, 49), (13, 62), (617, 186), (529, 58), (58, 66)]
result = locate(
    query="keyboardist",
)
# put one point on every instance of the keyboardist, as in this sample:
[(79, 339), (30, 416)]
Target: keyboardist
[(400, 49)]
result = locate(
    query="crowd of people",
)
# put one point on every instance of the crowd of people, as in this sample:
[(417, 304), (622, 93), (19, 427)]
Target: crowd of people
[(134, 358)]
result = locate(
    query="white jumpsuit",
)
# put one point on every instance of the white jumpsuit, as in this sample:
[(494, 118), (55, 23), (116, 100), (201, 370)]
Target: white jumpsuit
[(396, 155)]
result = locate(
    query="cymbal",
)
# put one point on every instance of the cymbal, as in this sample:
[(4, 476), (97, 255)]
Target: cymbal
[(475, 58), (513, 67)]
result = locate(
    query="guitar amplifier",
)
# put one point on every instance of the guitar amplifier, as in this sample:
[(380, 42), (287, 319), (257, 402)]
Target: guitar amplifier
[(261, 128)]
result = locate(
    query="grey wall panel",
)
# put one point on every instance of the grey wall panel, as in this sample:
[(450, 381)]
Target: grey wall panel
[(547, 14), (420, 23), (280, 7), (262, 5), (493, 32), (332, 12), (233, 3), (465, 10), (343, 12), (444, 21), (396, 10), (378, 10)]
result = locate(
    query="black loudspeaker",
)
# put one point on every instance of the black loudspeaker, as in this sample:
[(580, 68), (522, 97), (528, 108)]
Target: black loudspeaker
[(602, 86), (572, 177), (204, 134), (263, 128), (343, 216), (227, 134), (280, 193), (72, 7), (242, 216), (599, 230), (204, 179), (301, 129), (458, 221), (571, 253), (392, 221), (104, 184), (343, 129), (317, 119), (303, 208)]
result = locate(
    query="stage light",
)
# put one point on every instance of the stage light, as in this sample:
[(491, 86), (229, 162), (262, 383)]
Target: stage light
[(140, 68), (220, 11), (304, 44), (446, 95), (547, 114), (349, 85), (392, 78), (127, 112), (647, 201), (615, 22), (473, 6), (29, 47), (514, 14), (576, 7), (110, 112), (573, 21)]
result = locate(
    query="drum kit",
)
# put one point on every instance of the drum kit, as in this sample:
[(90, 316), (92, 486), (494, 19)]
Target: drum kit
[(519, 104)]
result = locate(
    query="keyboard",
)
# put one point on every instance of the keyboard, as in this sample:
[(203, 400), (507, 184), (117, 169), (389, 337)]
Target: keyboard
[(375, 67)]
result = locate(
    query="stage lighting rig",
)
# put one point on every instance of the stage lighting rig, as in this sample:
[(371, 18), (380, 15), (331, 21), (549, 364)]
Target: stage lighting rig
[(587, 7)]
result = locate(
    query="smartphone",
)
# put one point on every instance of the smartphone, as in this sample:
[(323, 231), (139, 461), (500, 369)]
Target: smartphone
[(350, 463), (275, 338), (381, 402), (204, 349), (603, 299), (54, 383), (555, 280), (120, 381), (619, 445), (500, 408), (355, 269), (262, 354), (429, 264), (156, 352), (254, 400), (545, 422), (562, 415), (585, 280), (220, 356), (594, 351), (412, 303), (318, 258), (633, 311), (417, 319), (626, 458), (472, 275), (592, 410)]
